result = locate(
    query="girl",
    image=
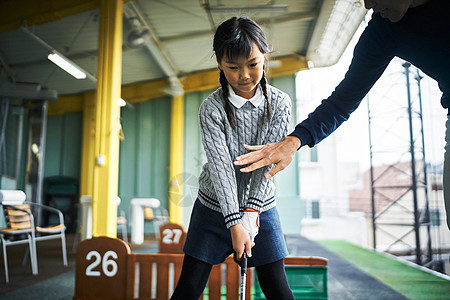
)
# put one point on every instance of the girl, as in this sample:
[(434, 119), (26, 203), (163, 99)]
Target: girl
[(230, 204)]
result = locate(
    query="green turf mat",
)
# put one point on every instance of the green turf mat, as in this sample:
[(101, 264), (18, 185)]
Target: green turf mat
[(407, 280)]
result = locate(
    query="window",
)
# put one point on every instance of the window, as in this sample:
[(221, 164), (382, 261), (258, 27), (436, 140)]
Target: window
[(315, 209), (435, 217), (309, 154), (314, 155)]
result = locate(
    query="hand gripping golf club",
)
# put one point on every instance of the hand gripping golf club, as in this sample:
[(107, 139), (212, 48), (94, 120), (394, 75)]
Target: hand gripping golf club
[(243, 264)]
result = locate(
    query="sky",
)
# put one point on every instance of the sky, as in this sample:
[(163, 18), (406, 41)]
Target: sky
[(388, 101)]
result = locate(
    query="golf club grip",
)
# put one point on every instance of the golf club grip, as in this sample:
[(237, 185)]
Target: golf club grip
[(243, 264)]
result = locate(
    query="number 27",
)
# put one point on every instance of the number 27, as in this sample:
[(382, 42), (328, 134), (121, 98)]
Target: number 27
[(171, 236)]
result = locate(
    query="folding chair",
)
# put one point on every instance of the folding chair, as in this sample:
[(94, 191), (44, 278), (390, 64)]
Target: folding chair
[(53, 231), (19, 230), (157, 215), (20, 220)]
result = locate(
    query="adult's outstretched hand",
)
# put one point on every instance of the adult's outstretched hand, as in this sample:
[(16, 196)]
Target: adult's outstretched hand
[(281, 154)]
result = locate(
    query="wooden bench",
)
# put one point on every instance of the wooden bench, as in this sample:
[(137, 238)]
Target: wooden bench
[(141, 276), (106, 269)]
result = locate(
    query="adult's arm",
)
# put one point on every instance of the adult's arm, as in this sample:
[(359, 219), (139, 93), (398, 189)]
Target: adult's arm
[(371, 56)]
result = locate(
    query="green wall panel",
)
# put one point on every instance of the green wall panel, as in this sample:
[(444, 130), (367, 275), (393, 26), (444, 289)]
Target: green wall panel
[(53, 145), (144, 153), (127, 162), (194, 155), (63, 145)]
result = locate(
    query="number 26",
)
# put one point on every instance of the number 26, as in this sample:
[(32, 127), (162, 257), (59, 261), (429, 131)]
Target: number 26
[(106, 263)]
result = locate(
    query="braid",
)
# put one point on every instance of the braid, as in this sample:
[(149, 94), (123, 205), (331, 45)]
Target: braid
[(263, 83), (224, 84)]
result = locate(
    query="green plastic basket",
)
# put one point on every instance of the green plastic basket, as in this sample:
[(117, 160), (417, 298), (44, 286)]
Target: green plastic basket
[(306, 282)]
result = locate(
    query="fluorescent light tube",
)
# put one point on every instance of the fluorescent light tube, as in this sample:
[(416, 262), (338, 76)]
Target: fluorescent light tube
[(66, 65)]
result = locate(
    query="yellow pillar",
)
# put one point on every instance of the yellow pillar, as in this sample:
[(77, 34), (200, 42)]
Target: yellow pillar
[(176, 160), (88, 142), (107, 123)]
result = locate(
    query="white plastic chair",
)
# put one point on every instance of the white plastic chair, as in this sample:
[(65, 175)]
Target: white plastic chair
[(20, 220)]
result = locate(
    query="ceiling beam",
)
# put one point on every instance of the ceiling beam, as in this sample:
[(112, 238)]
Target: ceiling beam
[(288, 65), (13, 13)]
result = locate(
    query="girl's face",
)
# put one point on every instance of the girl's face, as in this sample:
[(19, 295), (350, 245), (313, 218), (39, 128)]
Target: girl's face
[(244, 74)]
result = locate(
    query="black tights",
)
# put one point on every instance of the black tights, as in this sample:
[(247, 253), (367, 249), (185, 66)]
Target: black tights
[(195, 274), (193, 278), (273, 281)]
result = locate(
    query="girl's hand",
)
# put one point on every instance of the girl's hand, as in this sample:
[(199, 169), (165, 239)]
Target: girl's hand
[(250, 222), (241, 240)]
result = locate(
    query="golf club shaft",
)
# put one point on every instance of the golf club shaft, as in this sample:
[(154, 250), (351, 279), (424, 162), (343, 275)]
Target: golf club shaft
[(243, 274)]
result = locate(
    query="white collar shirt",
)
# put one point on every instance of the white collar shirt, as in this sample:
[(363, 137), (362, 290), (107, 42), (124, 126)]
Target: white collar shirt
[(239, 101)]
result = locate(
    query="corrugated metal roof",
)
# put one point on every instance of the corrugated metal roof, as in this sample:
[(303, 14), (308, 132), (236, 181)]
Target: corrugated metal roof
[(183, 31)]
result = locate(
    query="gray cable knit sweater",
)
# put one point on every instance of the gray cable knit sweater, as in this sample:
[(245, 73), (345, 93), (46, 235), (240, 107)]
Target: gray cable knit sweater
[(222, 187)]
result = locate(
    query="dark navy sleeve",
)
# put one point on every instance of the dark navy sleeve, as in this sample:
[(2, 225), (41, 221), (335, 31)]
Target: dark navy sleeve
[(371, 56)]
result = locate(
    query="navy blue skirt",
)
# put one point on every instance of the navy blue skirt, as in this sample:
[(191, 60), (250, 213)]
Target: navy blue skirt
[(209, 240)]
